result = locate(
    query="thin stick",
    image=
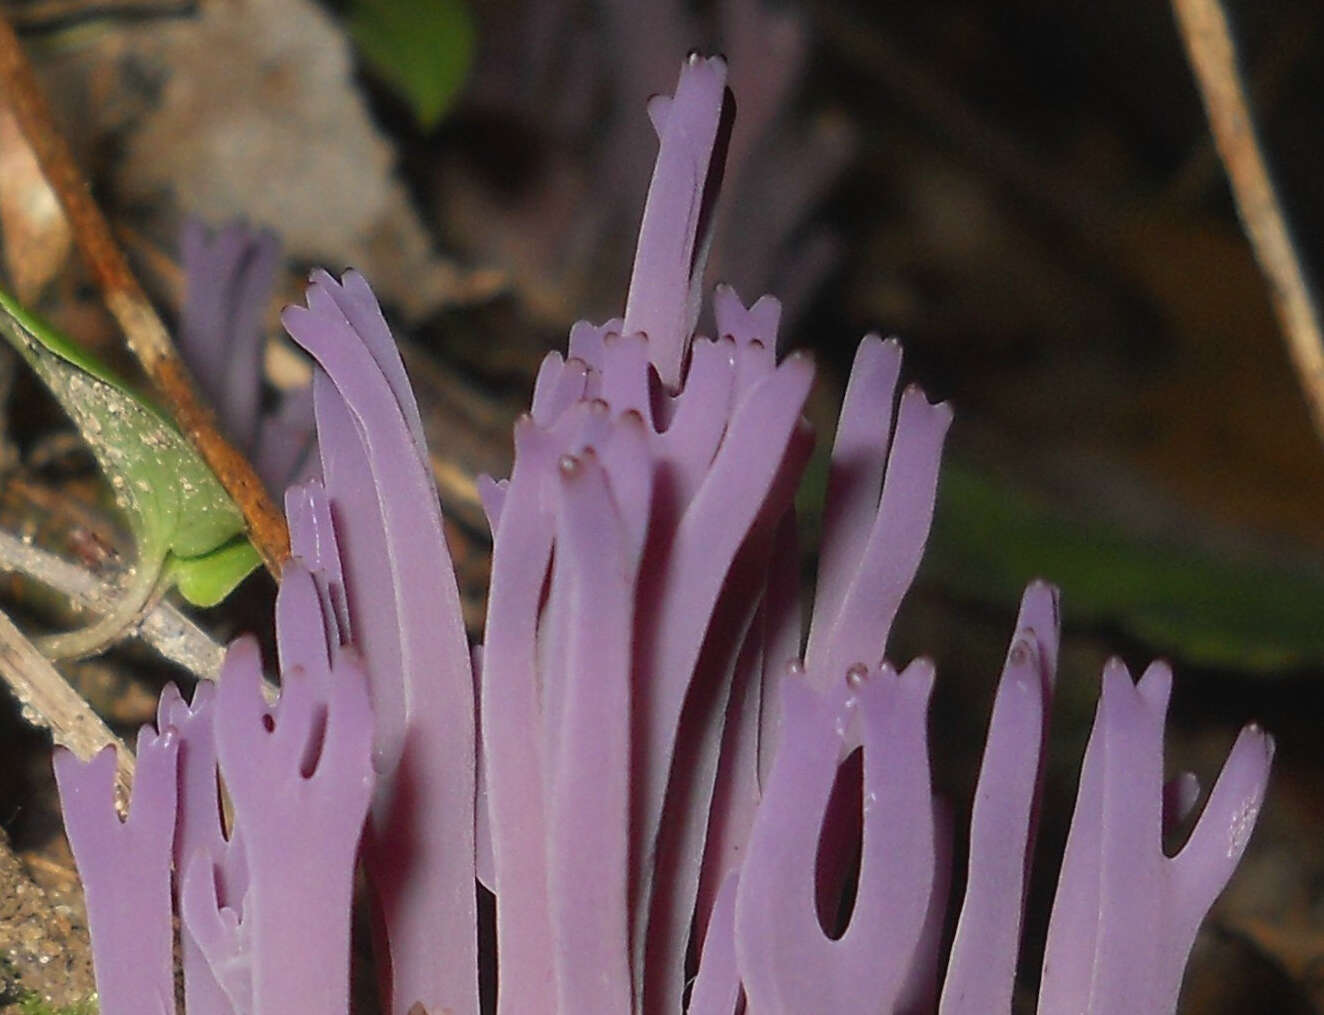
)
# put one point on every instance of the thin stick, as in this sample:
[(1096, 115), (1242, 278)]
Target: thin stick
[(129, 305), (46, 699), (1209, 45), (165, 628), (46, 13)]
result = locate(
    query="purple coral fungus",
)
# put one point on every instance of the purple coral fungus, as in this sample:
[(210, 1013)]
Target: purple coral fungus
[(641, 762)]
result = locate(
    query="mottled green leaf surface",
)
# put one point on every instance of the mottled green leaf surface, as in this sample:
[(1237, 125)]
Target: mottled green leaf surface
[(186, 527), (421, 48), (32, 1004)]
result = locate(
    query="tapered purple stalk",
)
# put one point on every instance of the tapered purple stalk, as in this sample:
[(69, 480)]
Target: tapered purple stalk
[(981, 973), (788, 962), (230, 275), (1126, 915), (125, 868), (588, 858), (665, 285), (512, 735), (717, 989), (199, 829), (403, 614), (300, 777)]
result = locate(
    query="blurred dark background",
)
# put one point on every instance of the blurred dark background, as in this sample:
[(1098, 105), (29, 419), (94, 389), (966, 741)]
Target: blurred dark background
[(1025, 192)]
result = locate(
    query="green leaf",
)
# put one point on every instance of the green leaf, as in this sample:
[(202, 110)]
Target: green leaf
[(990, 539), (422, 48), (207, 580), (176, 507)]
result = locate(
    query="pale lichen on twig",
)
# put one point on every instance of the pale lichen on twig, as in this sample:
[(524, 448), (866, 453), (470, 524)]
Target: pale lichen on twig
[(128, 304), (1204, 28), (164, 627), (47, 699)]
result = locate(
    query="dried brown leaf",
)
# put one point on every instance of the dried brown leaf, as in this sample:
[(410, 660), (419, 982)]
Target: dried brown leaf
[(36, 236)]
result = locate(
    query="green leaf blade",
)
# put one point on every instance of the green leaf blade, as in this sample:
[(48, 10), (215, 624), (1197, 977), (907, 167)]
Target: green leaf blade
[(175, 505), (207, 580), (989, 540), (422, 48)]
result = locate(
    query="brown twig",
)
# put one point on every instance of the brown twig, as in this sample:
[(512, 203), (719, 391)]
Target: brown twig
[(47, 700), (129, 305), (1213, 57)]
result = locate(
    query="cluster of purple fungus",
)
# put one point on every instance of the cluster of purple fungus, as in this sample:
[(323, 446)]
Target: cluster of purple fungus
[(230, 275), (642, 760)]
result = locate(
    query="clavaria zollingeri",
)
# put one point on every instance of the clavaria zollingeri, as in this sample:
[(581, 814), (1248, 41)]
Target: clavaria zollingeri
[(676, 795)]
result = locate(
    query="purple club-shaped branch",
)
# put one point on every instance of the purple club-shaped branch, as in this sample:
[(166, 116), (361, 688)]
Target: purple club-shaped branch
[(266, 912), (230, 275), (125, 867)]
